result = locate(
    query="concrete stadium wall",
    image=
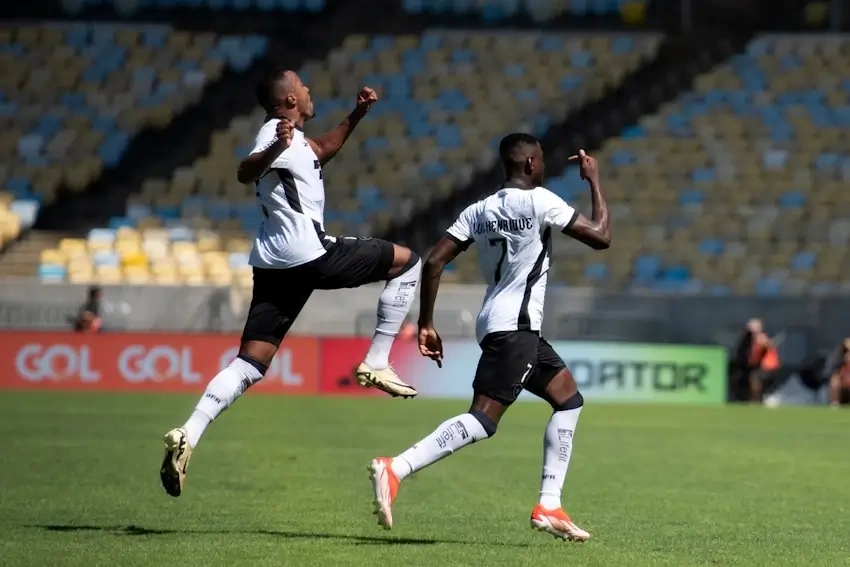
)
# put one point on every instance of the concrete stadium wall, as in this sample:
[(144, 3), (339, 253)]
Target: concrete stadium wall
[(805, 323)]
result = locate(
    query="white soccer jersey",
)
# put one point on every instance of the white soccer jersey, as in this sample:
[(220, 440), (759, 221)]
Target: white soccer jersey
[(292, 197), (513, 231)]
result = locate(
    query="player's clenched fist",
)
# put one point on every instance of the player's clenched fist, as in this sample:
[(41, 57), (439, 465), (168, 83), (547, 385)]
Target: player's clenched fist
[(430, 344), (588, 167), (284, 132), (365, 98)]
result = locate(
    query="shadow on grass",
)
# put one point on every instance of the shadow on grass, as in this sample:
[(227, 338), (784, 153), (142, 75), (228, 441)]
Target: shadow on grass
[(133, 530)]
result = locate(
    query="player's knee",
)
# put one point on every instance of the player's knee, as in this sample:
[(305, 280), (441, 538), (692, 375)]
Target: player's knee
[(411, 263), (258, 348), (488, 423), (259, 366), (573, 402), (404, 261)]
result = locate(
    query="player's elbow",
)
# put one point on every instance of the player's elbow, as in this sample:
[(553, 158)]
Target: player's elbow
[(602, 241), (243, 176), (433, 265)]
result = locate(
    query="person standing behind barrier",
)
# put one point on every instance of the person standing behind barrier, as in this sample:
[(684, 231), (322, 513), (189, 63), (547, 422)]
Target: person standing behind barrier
[(740, 364), (763, 362), (837, 373), (88, 319)]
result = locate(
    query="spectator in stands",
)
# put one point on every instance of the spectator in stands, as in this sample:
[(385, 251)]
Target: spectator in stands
[(88, 319), (837, 373)]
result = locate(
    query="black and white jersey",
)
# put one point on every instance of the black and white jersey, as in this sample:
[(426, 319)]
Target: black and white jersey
[(513, 231), (292, 198)]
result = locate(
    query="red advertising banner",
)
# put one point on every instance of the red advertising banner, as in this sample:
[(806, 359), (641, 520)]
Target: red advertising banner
[(341, 356), (145, 362), (340, 359)]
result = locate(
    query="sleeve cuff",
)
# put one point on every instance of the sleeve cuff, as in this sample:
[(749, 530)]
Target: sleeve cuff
[(464, 244), (570, 224)]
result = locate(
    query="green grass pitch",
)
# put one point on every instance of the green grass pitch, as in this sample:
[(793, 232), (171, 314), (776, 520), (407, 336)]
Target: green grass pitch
[(282, 481)]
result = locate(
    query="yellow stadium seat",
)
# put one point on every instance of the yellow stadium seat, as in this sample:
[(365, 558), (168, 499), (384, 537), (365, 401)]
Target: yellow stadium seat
[(137, 277), (81, 278), (194, 279), (53, 256), (244, 280), (134, 259), (108, 275), (127, 234), (72, 245)]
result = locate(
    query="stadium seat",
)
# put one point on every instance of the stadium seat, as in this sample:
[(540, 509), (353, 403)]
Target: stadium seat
[(442, 93), (753, 200), (130, 7), (74, 94)]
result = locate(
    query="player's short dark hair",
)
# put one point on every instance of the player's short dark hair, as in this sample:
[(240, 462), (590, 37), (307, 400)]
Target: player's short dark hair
[(265, 88), (511, 144)]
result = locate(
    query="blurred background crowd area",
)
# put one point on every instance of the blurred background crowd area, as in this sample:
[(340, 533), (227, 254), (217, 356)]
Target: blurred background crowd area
[(721, 128)]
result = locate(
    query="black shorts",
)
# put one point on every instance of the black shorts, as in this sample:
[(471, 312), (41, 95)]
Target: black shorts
[(279, 295), (512, 361)]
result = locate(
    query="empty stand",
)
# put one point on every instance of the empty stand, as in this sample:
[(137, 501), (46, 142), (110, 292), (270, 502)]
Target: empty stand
[(130, 7), (633, 11), (73, 95), (739, 186), (16, 216), (447, 98)]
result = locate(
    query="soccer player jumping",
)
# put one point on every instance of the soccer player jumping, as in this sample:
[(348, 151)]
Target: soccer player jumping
[(292, 257), (513, 230)]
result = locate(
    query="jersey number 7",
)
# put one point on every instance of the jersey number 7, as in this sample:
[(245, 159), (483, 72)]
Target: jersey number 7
[(503, 242)]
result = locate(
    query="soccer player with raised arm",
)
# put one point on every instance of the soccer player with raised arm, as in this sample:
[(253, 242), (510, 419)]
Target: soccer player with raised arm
[(513, 229), (292, 257)]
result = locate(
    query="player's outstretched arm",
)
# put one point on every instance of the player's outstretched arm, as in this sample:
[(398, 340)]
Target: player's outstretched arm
[(594, 231), (444, 251), (265, 153), (327, 145)]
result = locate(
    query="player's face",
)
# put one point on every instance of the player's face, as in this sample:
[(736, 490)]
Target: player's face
[(305, 101)]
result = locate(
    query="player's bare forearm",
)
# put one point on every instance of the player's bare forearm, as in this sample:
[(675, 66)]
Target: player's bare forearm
[(595, 231), (443, 252), (431, 273), (599, 213), (255, 165), (327, 145)]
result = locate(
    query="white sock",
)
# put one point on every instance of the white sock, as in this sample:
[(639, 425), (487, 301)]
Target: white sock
[(220, 394), (557, 449), (451, 435), (393, 307)]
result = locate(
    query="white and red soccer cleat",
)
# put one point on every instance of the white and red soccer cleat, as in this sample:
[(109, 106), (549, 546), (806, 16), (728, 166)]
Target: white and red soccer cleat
[(385, 485), (557, 523)]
